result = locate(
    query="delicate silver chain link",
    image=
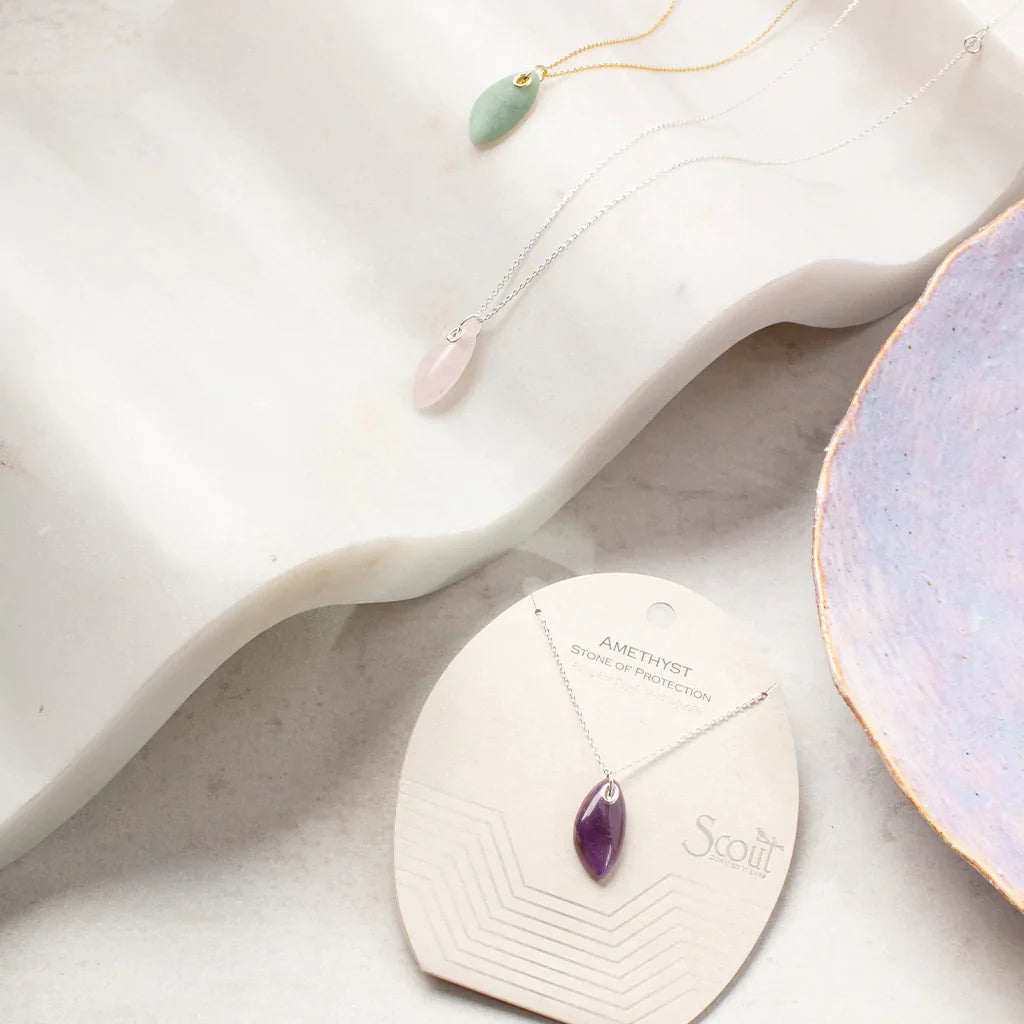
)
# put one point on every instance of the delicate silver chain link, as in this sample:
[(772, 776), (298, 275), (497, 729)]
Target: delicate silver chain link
[(605, 770), (694, 733), (613, 774), (500, 297)]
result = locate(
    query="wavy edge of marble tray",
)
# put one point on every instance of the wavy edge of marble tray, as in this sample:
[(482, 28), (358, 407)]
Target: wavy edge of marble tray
[(962, 845)]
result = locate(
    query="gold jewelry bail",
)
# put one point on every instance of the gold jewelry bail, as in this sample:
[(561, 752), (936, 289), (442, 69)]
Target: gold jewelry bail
[(524, 78)]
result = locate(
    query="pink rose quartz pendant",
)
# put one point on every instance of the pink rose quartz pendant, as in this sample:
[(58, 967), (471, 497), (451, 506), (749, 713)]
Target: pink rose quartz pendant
[(443, 366), (600, 828)]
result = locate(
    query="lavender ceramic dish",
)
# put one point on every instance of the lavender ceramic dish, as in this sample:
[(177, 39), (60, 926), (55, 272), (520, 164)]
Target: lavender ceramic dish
[(919, 553)]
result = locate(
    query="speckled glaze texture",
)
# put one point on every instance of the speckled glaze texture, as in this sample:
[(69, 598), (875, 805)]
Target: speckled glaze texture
[(919, 553)]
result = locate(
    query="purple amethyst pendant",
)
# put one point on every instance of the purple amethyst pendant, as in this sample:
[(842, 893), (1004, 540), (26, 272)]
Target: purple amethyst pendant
[(600, 827)]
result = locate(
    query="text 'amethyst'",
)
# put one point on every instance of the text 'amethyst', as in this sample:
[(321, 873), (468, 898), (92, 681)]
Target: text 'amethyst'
[(600, 827)]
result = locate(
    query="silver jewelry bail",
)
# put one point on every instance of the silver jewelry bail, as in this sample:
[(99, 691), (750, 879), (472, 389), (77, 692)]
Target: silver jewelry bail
[(611, 791), (456, 332)]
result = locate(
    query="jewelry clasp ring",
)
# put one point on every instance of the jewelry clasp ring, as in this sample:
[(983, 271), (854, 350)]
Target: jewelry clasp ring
[(972, 44), (457, 332), (524, 78)]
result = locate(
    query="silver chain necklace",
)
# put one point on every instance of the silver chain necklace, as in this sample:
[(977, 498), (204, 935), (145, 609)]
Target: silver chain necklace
[(444, 364), (601, 820)]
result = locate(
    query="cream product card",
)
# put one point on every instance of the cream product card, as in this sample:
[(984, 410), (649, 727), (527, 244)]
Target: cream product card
[(492, 892)]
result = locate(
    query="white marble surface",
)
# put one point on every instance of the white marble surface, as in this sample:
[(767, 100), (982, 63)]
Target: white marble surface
[(239, 868), (231, 230)]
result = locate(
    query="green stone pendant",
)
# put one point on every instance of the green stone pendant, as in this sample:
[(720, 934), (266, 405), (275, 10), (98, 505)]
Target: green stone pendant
[(502, 106)]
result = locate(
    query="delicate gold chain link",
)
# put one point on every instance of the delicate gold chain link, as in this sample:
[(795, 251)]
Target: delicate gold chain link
[(609, 42), (548, 70)]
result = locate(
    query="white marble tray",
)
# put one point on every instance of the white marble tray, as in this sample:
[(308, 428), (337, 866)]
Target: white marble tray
[(229, 234)]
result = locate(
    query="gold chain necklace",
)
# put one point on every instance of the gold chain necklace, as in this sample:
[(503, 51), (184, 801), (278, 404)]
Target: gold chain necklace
[(503, 105)]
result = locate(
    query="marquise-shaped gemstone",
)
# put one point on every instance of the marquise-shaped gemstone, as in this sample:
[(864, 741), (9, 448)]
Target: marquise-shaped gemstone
[(500, 107), (600, 827), (442, 367)]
